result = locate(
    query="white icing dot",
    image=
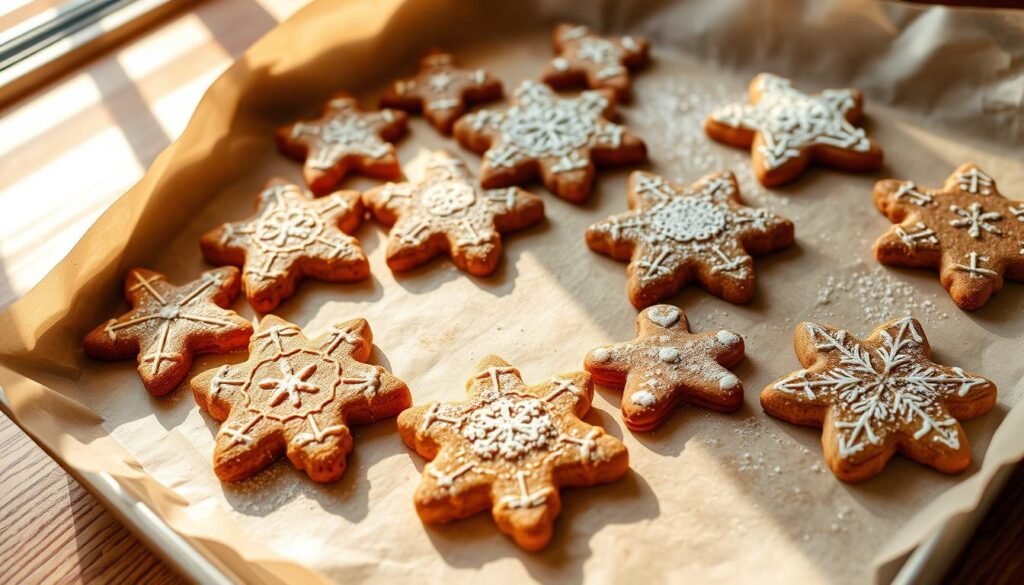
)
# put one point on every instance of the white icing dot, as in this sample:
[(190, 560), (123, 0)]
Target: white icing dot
[(728, 382), (727, 337), (601, 354), (668, 354), (643, 398)]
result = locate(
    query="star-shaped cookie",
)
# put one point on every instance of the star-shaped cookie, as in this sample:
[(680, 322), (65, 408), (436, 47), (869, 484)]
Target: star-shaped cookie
[(560, 139), (676, 234), (584, 58), (786, 129), (446, 212), (441, 90), (878, 396), (967, 230), (169, 324), (297, 397), (666, 365), (291, 236), (343, 139), (510, 448)]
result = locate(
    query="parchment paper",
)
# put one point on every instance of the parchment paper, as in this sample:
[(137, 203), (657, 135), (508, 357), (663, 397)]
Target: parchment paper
[(710, 497)]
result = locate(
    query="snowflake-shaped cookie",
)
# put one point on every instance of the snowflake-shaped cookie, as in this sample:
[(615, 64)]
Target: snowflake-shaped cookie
[(343, 139), (169, 324), (442, 90), (446, 211), (879, 396), (675, 235), (291, 236), (558, 138), (967, 230), (296, 397), (584, 58), (509, 448), (666, 365), (786, 129)]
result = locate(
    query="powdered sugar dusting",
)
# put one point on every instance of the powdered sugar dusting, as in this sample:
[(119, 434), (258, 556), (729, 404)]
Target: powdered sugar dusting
[(879, 294), (671, 120)]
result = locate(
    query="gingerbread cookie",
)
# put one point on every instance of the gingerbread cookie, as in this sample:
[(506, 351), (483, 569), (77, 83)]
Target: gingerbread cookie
[(586, 59), (291, 236), (343, 139), (441, 90), (296, 397), (666, 365), (560, 139), (676, 234), (169, 324), (877, 396), (446, 212), (967, 230), (510, 448), (786, 129)]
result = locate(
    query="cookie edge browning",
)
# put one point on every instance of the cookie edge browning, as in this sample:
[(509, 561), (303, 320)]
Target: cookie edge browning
[(529, 210), (481, 498), (818, 416), (243, 466), (579, 79), (754, 247), (271, 296), (573, 186), (95, 345), (492, 90), (887, 252), (824, 155), (326, 181), (612, 378)]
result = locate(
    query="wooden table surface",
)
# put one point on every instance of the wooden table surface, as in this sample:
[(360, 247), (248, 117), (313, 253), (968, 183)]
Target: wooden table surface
[(123, 109)]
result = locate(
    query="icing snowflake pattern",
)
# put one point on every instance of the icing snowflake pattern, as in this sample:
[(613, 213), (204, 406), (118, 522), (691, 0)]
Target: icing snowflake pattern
[(344, 138), (967, 230), (789, 124), (509, 429), (518, 442), (292, 235), (168, 324), (672, 229), (442, 90), (446, 210), (879, 392), (667, 364), (296, 396), (584, 58), (561, 135)]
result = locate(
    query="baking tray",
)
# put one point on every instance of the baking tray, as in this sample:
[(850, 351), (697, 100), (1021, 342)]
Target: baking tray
[(695, 29)]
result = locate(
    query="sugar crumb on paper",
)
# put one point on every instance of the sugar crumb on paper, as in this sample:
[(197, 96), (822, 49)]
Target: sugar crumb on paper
[(671, 122), (879, 294)]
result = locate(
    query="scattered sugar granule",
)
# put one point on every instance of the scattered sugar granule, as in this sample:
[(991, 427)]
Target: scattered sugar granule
[(879, 294), (672, 123)]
